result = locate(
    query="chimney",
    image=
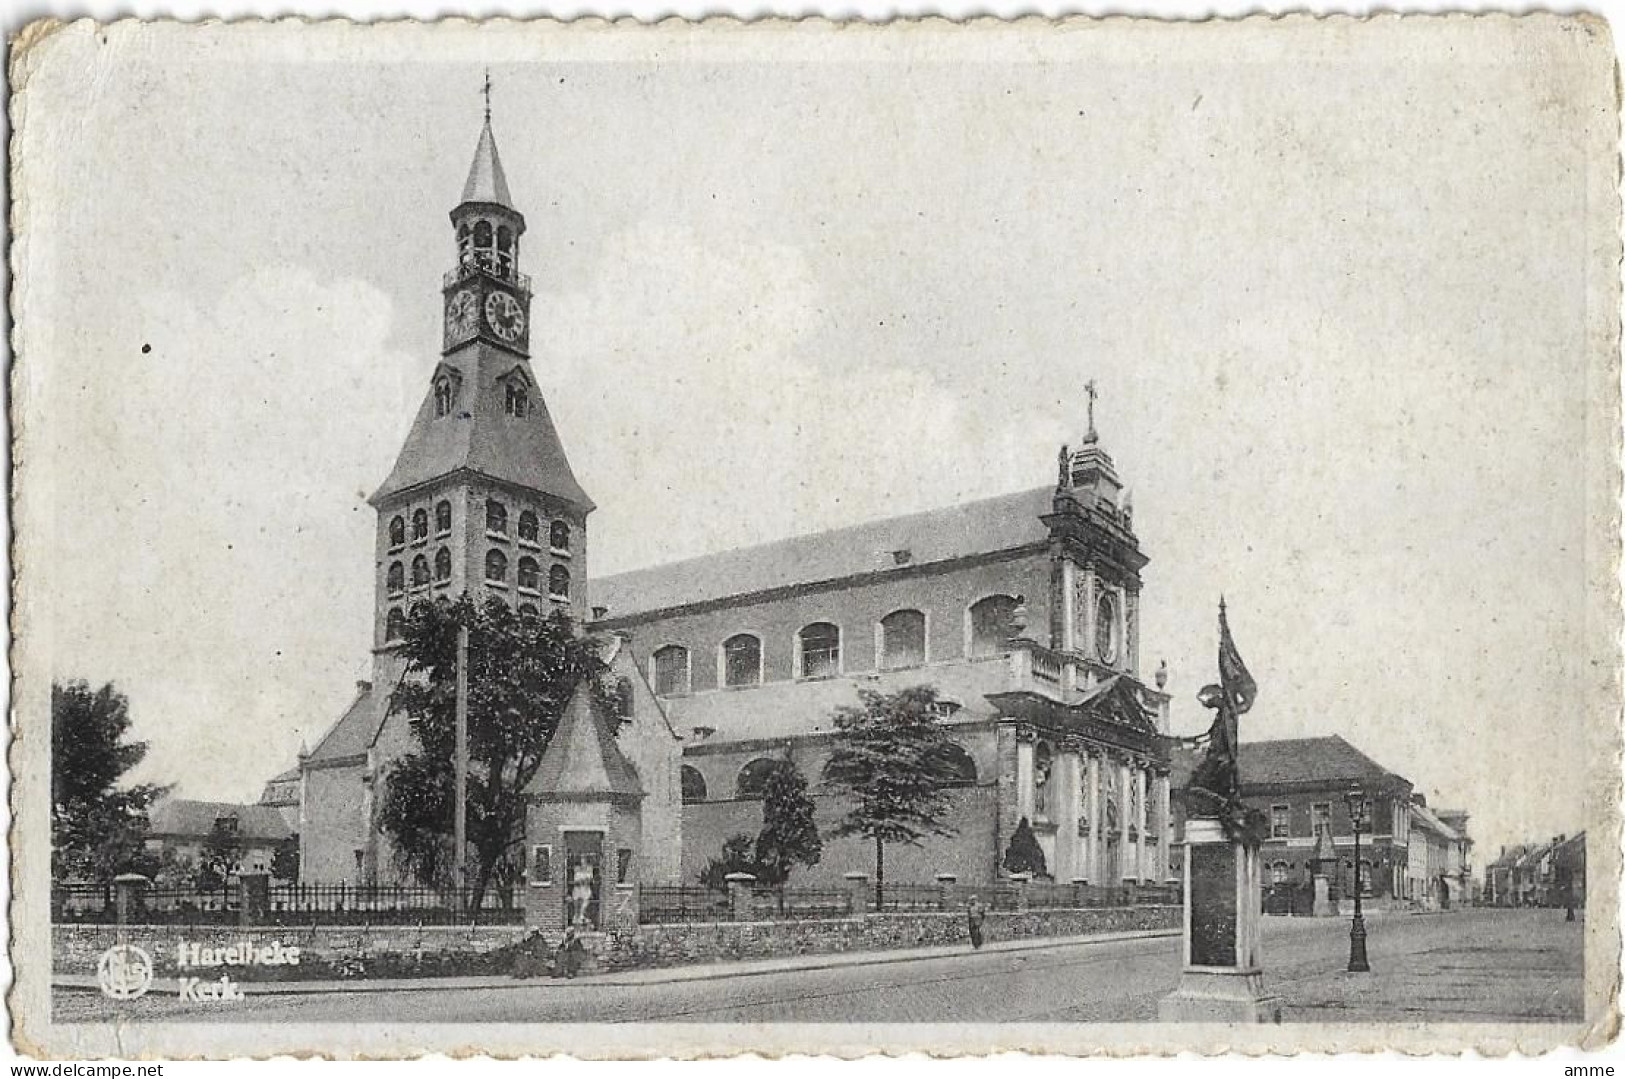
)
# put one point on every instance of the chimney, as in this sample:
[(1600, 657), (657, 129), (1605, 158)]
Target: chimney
[(363, 686)]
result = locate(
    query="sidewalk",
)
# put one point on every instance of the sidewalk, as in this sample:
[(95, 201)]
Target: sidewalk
[(744, 968)]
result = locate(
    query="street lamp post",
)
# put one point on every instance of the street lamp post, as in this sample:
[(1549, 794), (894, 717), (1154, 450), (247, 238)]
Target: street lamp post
[(1357, 960)]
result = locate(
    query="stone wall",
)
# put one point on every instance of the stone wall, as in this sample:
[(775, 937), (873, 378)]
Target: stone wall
[(408, 950)]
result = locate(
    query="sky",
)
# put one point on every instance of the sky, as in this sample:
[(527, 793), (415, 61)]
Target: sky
[(1336, 305)]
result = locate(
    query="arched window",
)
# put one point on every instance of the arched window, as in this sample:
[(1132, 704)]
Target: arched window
[(442, 517), (482, 244), (420, 571), (504, 250), (442, 396), (693, 785), (820, 650), (394, 625), (528, 610), (742, 660), (558, 536), (529, 528), (752, 781), (442, 565), (558, 582), (465, 242), (530, 574), (396, 578), (1043, 766), (496, 566), (992, 624), (902, 640), (671, 670), (516, 402), (397, 531), (961, 764), (496, 517), (420, 524)]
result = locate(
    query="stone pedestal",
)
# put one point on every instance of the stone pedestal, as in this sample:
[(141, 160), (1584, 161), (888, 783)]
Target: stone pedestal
[(1324, 907), (1223, 978)]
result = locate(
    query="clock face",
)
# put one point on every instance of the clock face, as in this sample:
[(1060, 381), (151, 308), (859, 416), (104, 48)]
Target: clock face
[(504, 315), (1106, 629), (462, 311)]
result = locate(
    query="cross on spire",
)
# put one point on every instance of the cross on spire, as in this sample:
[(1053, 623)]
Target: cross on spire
[(486, 90), (1089, 388)]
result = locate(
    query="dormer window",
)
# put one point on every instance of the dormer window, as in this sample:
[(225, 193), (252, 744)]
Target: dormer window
[(442, 396), (518, 402)]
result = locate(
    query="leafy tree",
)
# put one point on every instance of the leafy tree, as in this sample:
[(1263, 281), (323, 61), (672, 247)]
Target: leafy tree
[(98, 826), (522, 671), (789, 835), (896, 761), (1024, 855), (220, 855), (735, 858), (285, 859)]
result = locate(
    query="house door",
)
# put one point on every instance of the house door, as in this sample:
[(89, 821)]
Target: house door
[(584, 876)]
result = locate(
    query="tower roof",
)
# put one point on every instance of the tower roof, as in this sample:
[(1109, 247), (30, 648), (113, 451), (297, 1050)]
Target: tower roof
[(486, 181), (583, 760)]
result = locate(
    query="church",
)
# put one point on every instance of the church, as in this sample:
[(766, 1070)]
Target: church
[(1022, 610)]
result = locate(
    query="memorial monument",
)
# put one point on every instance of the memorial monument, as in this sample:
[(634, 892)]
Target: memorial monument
[(1223, 977)]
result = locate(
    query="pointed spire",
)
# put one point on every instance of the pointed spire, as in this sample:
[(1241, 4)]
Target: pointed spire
[(486, 180)]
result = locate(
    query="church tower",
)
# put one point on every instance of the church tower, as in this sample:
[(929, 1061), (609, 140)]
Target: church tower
[(481, 498)]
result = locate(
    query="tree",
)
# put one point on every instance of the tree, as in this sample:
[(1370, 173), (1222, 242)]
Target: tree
[(221, 853), (285, 860), (896, 761), (522, 671), (1024, 855), (98, 826), (789, 835), (735, 858)]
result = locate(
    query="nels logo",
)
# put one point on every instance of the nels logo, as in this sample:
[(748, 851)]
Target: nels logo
[(124, 972)]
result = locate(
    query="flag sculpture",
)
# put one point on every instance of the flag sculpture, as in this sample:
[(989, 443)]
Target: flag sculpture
[(1215, 785)]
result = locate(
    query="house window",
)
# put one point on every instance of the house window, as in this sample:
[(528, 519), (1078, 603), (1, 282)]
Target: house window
[(693, 785), (671, 670), (992, 624), (558, 536), (496, 517), (752, 781), (394, 625), (516, 403), (820, 650), (558, 582), (442, 397), (1279, 872), (902, 640), (530, 574), (1280, 822), (529, 527), (442, 565), (623, 865), (397, 531), (420, 524), (442, 517), (396, 578), (496, 566), (529, 610), (742, 660), (1322, 812), (541, 864), (420, 571)]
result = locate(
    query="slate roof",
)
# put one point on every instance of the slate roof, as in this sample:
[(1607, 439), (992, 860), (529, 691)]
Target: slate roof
[(486, 181), (355, 731), (582, 757), (479, 436), (1290, 760), (184, 817), (970, 528)]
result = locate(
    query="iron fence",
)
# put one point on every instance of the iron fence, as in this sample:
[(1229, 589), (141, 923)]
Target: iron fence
[(666, 904)]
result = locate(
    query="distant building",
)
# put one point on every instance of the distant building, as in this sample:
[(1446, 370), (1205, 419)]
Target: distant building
[(1301, 784), (1549, 874), (282, 793), (181, 827), (1433, 870)]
